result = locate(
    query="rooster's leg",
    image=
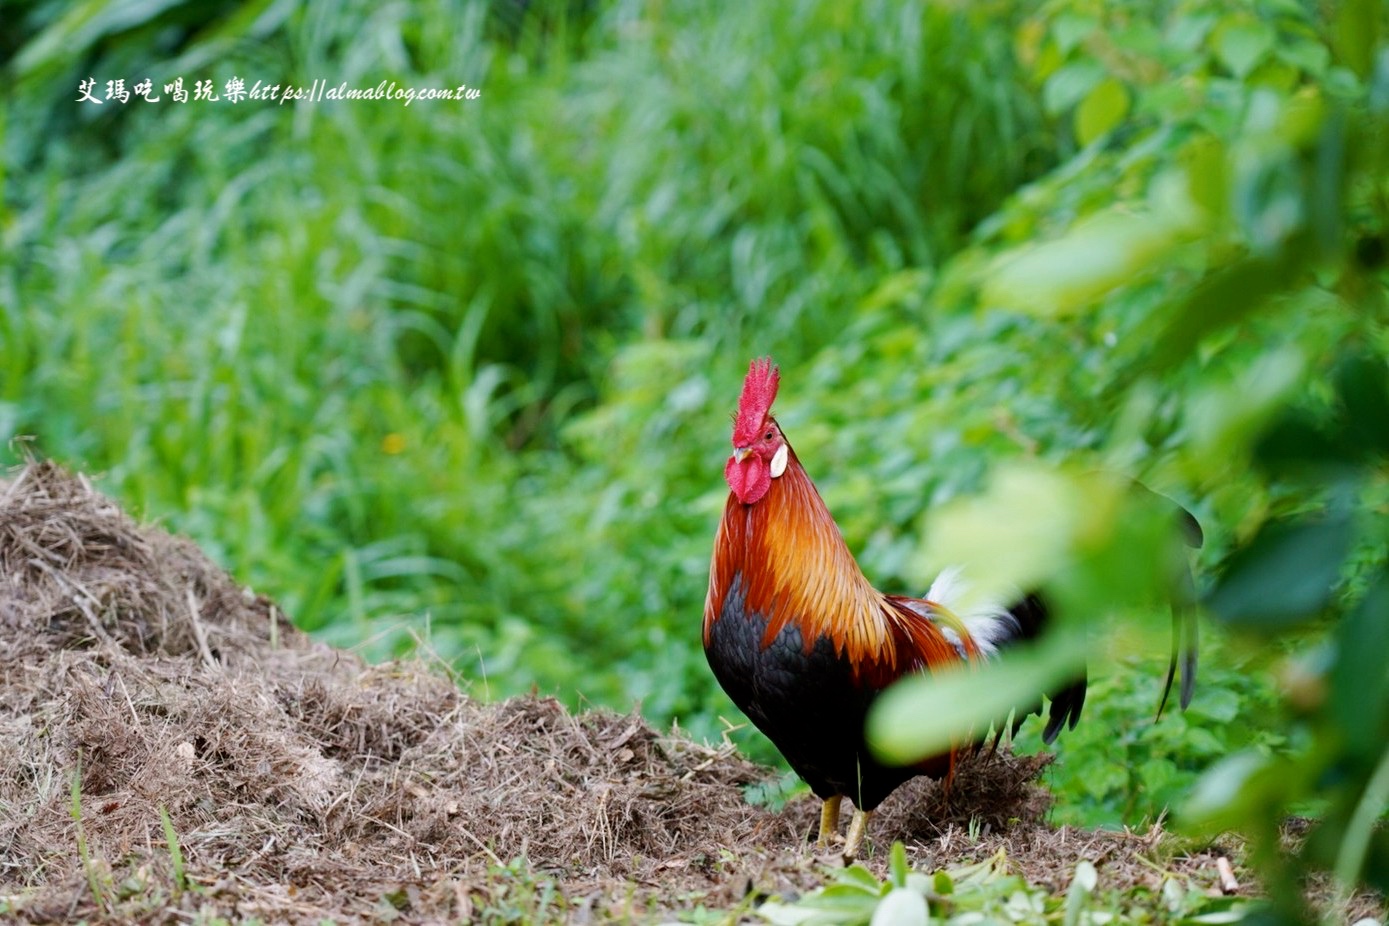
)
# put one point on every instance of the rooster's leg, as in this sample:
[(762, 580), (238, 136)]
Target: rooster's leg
[(829, 820), (857, 826)]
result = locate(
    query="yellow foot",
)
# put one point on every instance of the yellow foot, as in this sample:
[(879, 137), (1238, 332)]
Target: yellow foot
[(857, 827), (829, 821)]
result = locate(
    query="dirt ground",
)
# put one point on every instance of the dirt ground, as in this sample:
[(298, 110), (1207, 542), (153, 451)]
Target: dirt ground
[(301, 784)]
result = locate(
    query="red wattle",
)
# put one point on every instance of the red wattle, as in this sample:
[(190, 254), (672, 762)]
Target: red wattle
[(749, 479)]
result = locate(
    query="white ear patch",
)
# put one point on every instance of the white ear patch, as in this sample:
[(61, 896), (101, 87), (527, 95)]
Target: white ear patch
[(779, 461)]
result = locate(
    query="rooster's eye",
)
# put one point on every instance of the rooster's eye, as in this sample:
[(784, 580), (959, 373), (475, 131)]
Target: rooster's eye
[(767, 436)]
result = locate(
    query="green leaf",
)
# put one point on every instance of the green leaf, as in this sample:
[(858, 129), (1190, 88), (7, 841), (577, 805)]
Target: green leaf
[(1219, 705), (1295, 439), (1070, 84), (1231, 792), (1189, 30), (851, 902), (922, 884), (398, 898), (1284, 575), (1219, 301), (1103, 108), (901, 907), (1015, 535), (1240, 46), (782, 914), (861, 879), (1070, 29), (1357, 435), (897, 865), (1238, 914), (1357, 34), (1204, 159), (1072, 272), (1224, 418), (1362, 385), (1307, 54), (1360, 675), (924, 715), (1082, 885)]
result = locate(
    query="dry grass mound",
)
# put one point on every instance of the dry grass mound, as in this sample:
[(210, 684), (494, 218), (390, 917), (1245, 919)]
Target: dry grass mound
[(300, 784)]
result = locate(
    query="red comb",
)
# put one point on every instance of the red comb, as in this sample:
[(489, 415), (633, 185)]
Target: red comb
[(759, 391)]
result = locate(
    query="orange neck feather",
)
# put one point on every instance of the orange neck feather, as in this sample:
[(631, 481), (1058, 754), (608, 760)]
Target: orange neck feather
[(796, 568)]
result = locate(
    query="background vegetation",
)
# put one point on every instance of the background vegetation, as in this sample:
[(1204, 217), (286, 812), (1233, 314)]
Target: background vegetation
[(460, 372)]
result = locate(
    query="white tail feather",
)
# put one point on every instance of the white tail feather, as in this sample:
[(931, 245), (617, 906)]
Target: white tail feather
[(988, 621)]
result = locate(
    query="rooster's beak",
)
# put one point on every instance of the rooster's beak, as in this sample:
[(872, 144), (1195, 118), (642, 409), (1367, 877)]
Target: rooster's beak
[(741, 453)]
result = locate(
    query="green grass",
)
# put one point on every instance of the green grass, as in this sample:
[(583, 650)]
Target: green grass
[(460, 372), (97, 880), (175, 851)]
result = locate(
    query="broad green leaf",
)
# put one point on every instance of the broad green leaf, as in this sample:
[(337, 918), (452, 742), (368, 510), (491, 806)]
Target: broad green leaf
[(1131, 551), (1284, 575), (925, 714), (1082, 885), (844, 900), (1224, 418), (897, 865), (1357, 435), (782, 914), (1015, 535), (1072, 272), (1219, 705), (1070, 29), (1307, 54), (980, 872), (1241, 45), (1070, 84), (1158, 774), (1208, 184), (921, 883), (859, 878), (1190, 29), (1238, 914), (1360, 675), (1230, 791), (901, 907), (1104, 107), (1362, 384), (1297, 440), (1357, 34), (1219, 301)]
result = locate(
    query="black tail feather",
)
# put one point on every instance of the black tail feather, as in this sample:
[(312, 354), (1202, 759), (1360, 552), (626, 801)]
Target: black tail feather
[(1183, 658), (1185, 632), (1066, 702), (1065, 709)]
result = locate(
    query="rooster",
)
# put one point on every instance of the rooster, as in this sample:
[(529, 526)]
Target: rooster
[(803, 643)]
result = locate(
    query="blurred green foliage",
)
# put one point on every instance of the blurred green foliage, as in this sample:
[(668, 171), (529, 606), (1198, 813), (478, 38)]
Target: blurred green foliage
[(990, 892), (1286, 576), (460, 372)]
